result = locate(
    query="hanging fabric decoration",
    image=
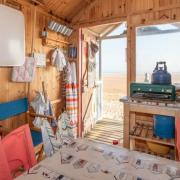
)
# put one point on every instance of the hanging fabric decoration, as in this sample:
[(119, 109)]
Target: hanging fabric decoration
[(40, 106), (58, 59), (48, 148), (72, 52), (65, 129), (92, 50), (26, 72), (60, 28), (52, 142), (71, 96)]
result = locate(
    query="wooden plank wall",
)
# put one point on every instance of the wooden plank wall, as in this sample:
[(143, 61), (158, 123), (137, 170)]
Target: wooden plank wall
[(135, 12), (101, 11), (35, 20), (108, 11)]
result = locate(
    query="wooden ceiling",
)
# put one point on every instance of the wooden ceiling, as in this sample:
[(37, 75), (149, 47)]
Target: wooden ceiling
[(64, 9)]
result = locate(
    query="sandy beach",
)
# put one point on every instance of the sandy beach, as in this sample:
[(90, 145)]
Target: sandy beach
[(114, 87)]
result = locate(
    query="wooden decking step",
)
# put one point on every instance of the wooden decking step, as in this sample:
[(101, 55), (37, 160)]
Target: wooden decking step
[(106, 131)]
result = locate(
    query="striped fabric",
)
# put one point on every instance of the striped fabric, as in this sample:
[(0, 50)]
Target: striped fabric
[(71, 97), (71, 103)]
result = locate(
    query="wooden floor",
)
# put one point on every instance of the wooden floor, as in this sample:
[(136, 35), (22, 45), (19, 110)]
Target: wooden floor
[(106, 131)]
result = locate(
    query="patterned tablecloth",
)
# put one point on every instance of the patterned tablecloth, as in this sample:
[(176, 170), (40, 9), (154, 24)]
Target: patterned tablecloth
[(87, 160)]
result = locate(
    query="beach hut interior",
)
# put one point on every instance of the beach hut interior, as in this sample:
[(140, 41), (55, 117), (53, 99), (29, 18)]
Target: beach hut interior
[(89, 89)]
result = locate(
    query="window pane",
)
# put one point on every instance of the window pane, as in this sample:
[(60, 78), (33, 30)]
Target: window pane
[(158, 43)]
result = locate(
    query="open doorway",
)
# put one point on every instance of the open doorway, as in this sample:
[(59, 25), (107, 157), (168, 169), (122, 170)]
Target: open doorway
[(114, 69), (106, 123)]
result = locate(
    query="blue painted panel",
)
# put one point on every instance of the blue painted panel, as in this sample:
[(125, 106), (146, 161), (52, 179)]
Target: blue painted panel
[(164, 126), (13, 108), (36, 137)]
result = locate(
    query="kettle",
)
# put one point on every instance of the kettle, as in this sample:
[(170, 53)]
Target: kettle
[(160, 74)]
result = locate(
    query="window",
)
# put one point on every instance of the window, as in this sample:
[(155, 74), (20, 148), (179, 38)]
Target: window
[(158, 43)]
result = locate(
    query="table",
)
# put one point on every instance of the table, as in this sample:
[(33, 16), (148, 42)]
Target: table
[(104, 161)]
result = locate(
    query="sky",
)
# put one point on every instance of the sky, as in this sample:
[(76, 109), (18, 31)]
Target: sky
[(114, 56), (114, 52), (149, 50)]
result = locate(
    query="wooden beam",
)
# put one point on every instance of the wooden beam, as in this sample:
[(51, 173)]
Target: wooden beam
[(92, 32), (79, 65), (96, 22), (56, 101), (50, 42), (38, 2), (132, 56), (40, 115), (113, 37), (109, 30)]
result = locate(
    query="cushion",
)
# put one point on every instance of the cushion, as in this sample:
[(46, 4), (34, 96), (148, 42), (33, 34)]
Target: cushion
[(26, 72)]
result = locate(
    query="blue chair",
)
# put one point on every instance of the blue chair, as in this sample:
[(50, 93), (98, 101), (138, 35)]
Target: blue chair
[(15, 108)]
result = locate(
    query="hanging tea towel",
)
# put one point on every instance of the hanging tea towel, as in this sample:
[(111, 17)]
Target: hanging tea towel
[(58, 59), (40, 106), (52, 142), (65, 130), (26, 72)]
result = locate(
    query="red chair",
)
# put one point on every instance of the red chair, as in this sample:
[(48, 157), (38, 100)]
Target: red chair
[(18, 148), (4, 168), (15, 108)]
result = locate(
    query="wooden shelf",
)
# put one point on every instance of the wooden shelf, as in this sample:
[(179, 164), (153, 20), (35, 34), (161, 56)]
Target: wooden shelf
[(145, 133), (170, 142), (53, 43), (170, 155), (142, 113), (56, 101)]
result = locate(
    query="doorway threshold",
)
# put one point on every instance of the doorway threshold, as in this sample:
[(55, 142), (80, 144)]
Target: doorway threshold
[(106, 131)]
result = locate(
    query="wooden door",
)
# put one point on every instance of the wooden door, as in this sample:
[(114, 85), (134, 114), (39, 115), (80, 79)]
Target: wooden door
[(88, 94)]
